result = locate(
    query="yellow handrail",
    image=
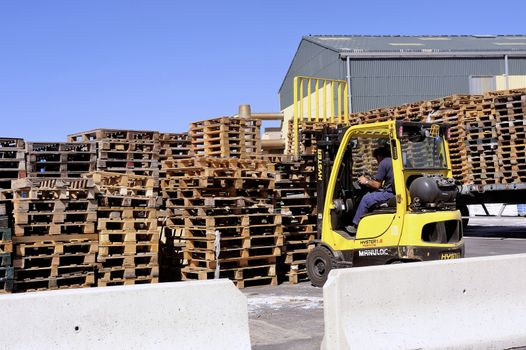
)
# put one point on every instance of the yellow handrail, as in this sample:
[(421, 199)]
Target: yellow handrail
[(328, 104)]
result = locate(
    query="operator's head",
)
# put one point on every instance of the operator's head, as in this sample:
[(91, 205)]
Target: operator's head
[(382, 152)]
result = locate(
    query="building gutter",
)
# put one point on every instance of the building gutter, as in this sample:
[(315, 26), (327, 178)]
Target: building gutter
[(430, 54)]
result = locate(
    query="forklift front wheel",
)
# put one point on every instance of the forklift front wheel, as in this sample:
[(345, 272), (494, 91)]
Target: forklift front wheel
[(320, 262)]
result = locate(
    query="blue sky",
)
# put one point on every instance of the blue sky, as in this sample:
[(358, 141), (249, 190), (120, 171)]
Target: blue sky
[(69, 66)]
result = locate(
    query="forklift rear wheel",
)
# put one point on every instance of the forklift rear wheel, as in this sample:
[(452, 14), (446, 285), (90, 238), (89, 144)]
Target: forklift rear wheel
[(320, 262), (464, 211)]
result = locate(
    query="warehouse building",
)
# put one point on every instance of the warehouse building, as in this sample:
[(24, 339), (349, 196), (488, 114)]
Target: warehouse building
[(392, 70)]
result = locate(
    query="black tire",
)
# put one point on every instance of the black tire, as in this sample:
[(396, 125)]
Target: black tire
[(396, 262), (320, 261), (464, 211)]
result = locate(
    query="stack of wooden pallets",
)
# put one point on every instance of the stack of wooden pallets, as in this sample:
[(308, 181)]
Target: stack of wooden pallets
[(222, 209), (307, 133), (60, 159), (226, 137), (127, 228), (174, 146), (12, 161), (495, 138), (54, 233), (6, 248), (124, 151), (171, 220), (487, 134), (451, 109), (295, 199)]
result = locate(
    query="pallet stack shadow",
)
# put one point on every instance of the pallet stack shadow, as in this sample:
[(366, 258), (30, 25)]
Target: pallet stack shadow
[(295, 199), (54, 233), (124, 151), (12, 161), (6, 248), (174, 146), (223, 211), (60, 159), (127, 229)]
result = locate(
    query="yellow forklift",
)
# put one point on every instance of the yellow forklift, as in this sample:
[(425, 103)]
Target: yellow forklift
[(419, 223)]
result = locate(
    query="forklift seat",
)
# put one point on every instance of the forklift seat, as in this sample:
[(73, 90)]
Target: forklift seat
[(386, 207)]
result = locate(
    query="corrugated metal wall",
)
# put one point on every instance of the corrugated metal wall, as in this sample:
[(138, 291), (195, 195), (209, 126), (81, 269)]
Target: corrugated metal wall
[(390, 82), (517, 66), (394, 81), (311, 60)]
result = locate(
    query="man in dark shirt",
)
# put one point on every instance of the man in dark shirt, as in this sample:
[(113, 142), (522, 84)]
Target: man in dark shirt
[(383, 175)]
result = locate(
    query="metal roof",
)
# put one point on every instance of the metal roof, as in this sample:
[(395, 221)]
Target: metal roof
[(399, 45)]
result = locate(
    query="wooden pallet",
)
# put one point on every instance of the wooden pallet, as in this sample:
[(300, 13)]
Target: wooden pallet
[(127, 225), (74, 280), (128, 272), (236, 274), (54, 248), (115, 201), (6, 279), (226, 138), (6, 247), (46, 229), (5, 259), (114, 134), (109, 237), (12, 161), (54, 262), (5, 234), (127, 213), (233, 262), (174, 146), (126, 248), (53, 189), (60, 159), (55, 217), (127, 282), (127, 260)]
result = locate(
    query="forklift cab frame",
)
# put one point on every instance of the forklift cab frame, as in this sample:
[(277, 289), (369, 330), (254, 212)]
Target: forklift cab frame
[(388, 235)]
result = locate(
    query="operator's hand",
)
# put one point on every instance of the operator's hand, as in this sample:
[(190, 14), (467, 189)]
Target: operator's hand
[(363, 180)]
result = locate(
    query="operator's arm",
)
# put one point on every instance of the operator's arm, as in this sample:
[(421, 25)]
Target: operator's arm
[(375, 185)]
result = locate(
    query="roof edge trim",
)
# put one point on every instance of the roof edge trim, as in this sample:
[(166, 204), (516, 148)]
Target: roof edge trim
[(480, 54)]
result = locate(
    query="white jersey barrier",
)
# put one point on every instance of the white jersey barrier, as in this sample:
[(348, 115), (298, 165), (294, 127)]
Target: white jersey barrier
[(475, 303), (184, 315)]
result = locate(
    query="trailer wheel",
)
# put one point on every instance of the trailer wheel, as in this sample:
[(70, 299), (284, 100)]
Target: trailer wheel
[(464, 211), (320, 261)]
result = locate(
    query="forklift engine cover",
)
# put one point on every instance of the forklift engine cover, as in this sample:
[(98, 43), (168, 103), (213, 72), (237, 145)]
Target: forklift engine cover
[(433, 192)]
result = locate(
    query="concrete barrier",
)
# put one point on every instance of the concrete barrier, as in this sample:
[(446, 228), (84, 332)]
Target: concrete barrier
[(184, 315), (476, 303)]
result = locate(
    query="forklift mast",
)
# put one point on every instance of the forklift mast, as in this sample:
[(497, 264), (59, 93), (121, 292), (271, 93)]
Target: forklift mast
[(327, 144)]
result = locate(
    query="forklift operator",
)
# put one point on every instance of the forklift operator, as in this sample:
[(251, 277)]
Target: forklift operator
[(380, 195)]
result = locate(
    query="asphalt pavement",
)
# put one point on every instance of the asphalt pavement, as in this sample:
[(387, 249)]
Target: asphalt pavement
[(290, 317)]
